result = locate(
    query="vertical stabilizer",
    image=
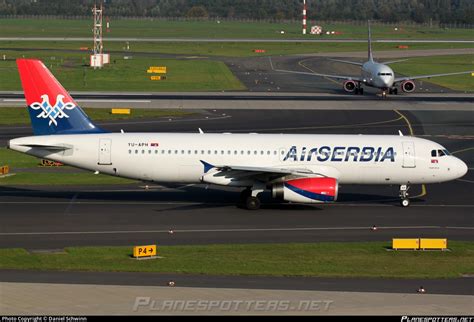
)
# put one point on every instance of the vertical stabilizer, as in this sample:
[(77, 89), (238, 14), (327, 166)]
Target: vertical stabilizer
[(52, 110), (369, 50)]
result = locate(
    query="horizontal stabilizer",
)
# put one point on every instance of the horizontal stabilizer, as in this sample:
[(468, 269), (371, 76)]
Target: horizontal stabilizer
[(46, 147)]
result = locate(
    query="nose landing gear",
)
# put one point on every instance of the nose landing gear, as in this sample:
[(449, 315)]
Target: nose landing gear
[(404, 200)]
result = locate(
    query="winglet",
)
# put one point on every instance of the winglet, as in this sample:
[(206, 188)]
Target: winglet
[(207, 166)]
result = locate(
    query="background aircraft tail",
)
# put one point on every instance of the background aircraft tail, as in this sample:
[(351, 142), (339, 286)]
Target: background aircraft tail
[(52, 110), (369, 49)]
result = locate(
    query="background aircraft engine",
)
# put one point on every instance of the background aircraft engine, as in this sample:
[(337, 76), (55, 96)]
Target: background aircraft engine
[(349, 86), (408, 86), (307, 190)]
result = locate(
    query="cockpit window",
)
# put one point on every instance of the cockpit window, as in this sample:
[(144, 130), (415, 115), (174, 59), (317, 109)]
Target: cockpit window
[(384, 74), (439, 153)]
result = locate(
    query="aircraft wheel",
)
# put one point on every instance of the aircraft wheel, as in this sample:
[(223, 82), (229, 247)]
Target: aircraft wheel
[(252, 203), (361, 91), (356, 91), (405, 202)]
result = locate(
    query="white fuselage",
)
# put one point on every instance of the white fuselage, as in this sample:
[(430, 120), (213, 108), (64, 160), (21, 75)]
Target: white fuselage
[(176, 157), (378, 75)]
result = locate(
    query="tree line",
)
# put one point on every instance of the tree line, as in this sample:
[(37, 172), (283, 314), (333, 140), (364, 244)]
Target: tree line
[(419, 11)]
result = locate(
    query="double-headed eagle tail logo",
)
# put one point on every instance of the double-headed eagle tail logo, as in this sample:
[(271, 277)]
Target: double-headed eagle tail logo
[(52, 112)]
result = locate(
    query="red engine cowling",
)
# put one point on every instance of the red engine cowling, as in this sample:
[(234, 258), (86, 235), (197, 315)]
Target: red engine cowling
[(349, 86), (408, 86), (307, 190)]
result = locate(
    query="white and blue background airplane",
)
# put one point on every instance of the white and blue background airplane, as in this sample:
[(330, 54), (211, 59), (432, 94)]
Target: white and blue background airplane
[(300, 168), (373, 74)]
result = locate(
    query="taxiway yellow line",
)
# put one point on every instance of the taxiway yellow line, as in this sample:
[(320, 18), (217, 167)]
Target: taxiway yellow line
[(301, 63), (412, 133)]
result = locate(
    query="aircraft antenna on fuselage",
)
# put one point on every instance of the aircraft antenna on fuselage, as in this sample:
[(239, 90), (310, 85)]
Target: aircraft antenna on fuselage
[(370, 57)]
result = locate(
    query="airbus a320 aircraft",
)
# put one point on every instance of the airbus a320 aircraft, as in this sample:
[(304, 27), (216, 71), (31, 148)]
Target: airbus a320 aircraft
[(295, 168), (373, 74)]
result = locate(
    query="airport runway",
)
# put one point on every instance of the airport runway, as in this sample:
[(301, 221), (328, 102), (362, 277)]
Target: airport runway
[(55, 217)]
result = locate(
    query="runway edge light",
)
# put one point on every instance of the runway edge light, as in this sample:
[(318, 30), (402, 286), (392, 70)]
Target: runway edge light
[(144, 251)]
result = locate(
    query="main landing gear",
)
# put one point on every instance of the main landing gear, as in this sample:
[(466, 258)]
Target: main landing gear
[(359, 90), (249, 197), (404, 201), (393, 91)]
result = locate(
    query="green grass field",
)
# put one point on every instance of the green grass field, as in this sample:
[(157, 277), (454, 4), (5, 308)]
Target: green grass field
[(16, 159), (361, 259), (123, 74), (441, 64), (212, 29), (225, 49)]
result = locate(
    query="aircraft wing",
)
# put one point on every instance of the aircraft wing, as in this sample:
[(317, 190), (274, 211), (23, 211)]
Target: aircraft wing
[(346, 62), (401, 79), (343, 77), (268, 170), (263, 172), (354, 78)]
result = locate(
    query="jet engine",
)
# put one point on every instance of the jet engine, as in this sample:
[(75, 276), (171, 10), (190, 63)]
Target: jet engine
[(408, 86), (307, 190), (349, 86)]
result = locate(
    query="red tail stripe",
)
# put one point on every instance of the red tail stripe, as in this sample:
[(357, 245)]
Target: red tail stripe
[(37, 80)]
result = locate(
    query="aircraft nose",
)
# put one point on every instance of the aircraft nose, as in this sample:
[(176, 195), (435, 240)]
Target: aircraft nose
[(460, 168)]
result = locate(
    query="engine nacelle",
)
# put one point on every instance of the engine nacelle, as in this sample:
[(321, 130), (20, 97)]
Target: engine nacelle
[(408, 86), (307, 190), (349, 86)]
